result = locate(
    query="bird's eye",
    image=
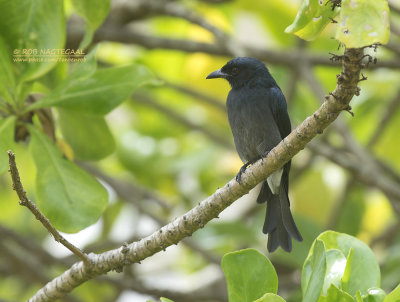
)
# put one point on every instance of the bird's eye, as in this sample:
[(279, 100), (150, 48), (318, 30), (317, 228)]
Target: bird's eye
[(235, 70)]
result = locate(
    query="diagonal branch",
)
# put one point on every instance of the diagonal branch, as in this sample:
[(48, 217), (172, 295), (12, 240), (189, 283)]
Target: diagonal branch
[(211, 207)]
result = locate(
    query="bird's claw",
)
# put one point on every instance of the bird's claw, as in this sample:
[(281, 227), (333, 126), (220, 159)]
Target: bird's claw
[(241, 171), (264, 155)]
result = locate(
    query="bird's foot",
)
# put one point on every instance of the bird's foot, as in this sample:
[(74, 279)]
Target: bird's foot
[(244, 167), (264, 154), (241, 171)]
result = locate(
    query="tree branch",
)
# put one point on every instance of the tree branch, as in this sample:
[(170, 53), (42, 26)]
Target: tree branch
[(24, 201), (115, 33), (211, 207)]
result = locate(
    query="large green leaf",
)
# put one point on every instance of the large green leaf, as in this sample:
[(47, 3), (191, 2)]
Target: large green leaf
[(94, 12), (363, 22), (249, 275), (311, 19), (6, 141), (67, 195), (87, 134), (335, 294), (99, 93), (362, 270), (32, 26), (313, 274), (270, 297)]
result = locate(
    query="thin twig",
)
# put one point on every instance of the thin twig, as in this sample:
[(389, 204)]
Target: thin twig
[(26, 202)]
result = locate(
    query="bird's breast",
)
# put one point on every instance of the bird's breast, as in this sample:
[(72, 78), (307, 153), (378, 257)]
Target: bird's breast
[(253, 126)]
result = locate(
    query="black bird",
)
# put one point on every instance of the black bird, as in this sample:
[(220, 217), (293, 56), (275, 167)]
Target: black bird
[(259, 120)]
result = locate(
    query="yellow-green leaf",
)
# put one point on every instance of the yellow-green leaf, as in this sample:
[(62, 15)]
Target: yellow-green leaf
[(312, 17), (363, 22)]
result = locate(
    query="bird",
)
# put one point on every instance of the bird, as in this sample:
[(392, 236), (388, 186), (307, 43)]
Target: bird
[(259, 120)]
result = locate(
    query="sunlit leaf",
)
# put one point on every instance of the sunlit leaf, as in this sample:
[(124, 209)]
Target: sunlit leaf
[(312, 18), (249, 275), (363, 271), (363, 22), (335, 267), (345, 284), (67, 195)]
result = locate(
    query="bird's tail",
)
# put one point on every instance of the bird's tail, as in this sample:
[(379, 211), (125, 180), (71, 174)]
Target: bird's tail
[(279, 223)]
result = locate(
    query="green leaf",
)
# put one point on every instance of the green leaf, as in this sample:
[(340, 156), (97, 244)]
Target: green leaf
[(87, 134), (67, 195), (94, 12), (363, 271), (270, 297), (249, 275), (335, 294), (165, 299), (7, 80), (363, 22), (81, 72), (335, 267), (33, 25), (312, 17), (99, 93), (6, 141), (394, 295), (345, 284), (313, 274), (374, 294)]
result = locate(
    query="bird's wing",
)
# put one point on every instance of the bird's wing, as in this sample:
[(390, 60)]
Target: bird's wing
[(279, 111), (281, 116)]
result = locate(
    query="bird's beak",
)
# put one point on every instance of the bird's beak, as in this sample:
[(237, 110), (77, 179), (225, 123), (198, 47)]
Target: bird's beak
[(217, 74)]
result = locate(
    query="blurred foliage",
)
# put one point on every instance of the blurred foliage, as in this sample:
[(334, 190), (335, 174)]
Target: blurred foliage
[(177, 164)]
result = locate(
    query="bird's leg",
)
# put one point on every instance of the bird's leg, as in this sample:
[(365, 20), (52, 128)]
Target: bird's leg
[(241, 171), (244, 167), (264, 154)]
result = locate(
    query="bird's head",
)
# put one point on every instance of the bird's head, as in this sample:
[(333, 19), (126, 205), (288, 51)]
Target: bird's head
[(242, 70)]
